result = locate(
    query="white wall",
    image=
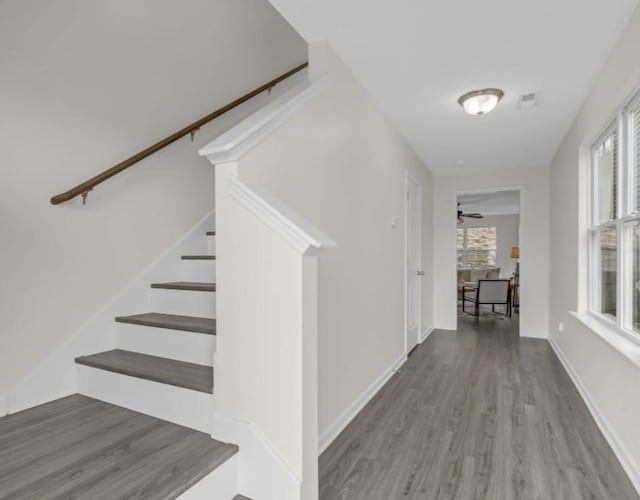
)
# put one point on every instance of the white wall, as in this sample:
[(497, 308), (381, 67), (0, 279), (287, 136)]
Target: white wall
[(609, 378), (342, 165), (507, 237), (259, 355), (83, 86), (534, 243)]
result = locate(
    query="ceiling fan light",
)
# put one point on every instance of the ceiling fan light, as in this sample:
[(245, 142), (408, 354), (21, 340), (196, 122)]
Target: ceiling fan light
[(480, 102)]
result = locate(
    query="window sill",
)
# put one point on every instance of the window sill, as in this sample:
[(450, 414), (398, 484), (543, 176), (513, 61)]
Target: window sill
[(611, 335)]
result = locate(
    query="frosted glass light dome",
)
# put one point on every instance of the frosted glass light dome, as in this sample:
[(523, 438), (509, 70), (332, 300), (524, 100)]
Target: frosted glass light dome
[(480, 102)]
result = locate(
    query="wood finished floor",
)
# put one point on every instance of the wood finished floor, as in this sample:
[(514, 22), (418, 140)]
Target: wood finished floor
[(476, 414), (81, 448), (155, 368)]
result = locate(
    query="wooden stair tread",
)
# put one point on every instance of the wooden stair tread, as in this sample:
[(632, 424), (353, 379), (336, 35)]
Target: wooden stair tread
[(172, 322), (186, 285), (79, 447), (198, 257), (157, 369)]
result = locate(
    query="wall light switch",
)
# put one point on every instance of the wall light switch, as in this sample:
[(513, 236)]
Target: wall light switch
[(561, 326), (394, 222)]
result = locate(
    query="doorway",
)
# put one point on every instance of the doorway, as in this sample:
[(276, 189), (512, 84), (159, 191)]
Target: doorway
[(414, 272), (488, 241)]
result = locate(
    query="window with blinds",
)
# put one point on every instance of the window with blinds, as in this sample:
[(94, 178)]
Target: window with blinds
[(632, 227), (605, 162), (477, 247), (604, 241), (634, 136), (615, 221)]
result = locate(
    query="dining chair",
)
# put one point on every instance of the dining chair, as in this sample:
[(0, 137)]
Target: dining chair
[(488, 292)]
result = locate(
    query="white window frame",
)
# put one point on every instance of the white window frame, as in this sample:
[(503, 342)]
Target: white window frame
[(465, 247), (625, 214)]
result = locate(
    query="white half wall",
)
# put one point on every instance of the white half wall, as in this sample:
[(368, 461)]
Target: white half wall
[(266, 358), (341, 164), (534, 243), (607, 376), (85, 85)]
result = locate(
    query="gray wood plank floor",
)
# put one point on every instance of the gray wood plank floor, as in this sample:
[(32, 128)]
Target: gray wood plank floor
[(81, 448), (171, 322), (163, 370), (186, 285), (475, 414)]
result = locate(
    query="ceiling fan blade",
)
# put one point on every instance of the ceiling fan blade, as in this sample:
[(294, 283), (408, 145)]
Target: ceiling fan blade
[(473, 216)]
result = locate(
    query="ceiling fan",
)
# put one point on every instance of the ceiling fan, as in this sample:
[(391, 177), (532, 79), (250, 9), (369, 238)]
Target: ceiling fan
[(462, 214)]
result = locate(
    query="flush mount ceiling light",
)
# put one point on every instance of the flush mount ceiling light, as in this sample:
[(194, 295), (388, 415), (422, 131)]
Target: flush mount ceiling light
[(480, 102)]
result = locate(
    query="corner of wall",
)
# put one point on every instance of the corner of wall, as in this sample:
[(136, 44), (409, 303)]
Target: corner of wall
[(424, 335)]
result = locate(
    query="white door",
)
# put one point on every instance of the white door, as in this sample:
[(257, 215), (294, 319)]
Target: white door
[(414, 264)]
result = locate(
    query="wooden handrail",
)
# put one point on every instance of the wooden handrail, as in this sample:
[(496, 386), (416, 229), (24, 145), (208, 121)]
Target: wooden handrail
[(85, 187)]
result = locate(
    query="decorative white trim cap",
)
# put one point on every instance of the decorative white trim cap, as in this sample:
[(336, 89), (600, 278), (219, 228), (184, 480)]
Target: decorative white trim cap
[(298, 232), (243, 137)]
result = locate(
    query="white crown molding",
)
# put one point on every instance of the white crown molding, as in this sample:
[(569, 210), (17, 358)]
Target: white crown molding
[(298, 232)]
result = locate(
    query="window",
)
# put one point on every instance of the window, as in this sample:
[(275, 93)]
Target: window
[(615, 221), (476, 247)]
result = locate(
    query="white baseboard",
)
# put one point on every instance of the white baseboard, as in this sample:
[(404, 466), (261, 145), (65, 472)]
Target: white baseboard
[(628, 463), (55, 377), (534, 335), (425, 334), (331, 433), (447, 325), (262, 473), (221, 484)]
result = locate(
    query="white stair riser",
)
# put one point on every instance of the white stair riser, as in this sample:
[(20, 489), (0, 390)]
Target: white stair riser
[(184, 302), (211, 245), (221, 484), (173, 344), (181, 406), (197, 270)]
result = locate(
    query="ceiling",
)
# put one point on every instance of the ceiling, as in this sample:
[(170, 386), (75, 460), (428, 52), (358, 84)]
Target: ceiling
[(417, 57), (497, 203)]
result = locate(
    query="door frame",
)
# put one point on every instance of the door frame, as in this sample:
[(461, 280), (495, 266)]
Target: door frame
[(410, 179), (521, 240)]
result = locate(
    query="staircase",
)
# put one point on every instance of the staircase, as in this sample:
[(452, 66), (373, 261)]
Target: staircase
[(163, 363), (142, 422), (105, 442)]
